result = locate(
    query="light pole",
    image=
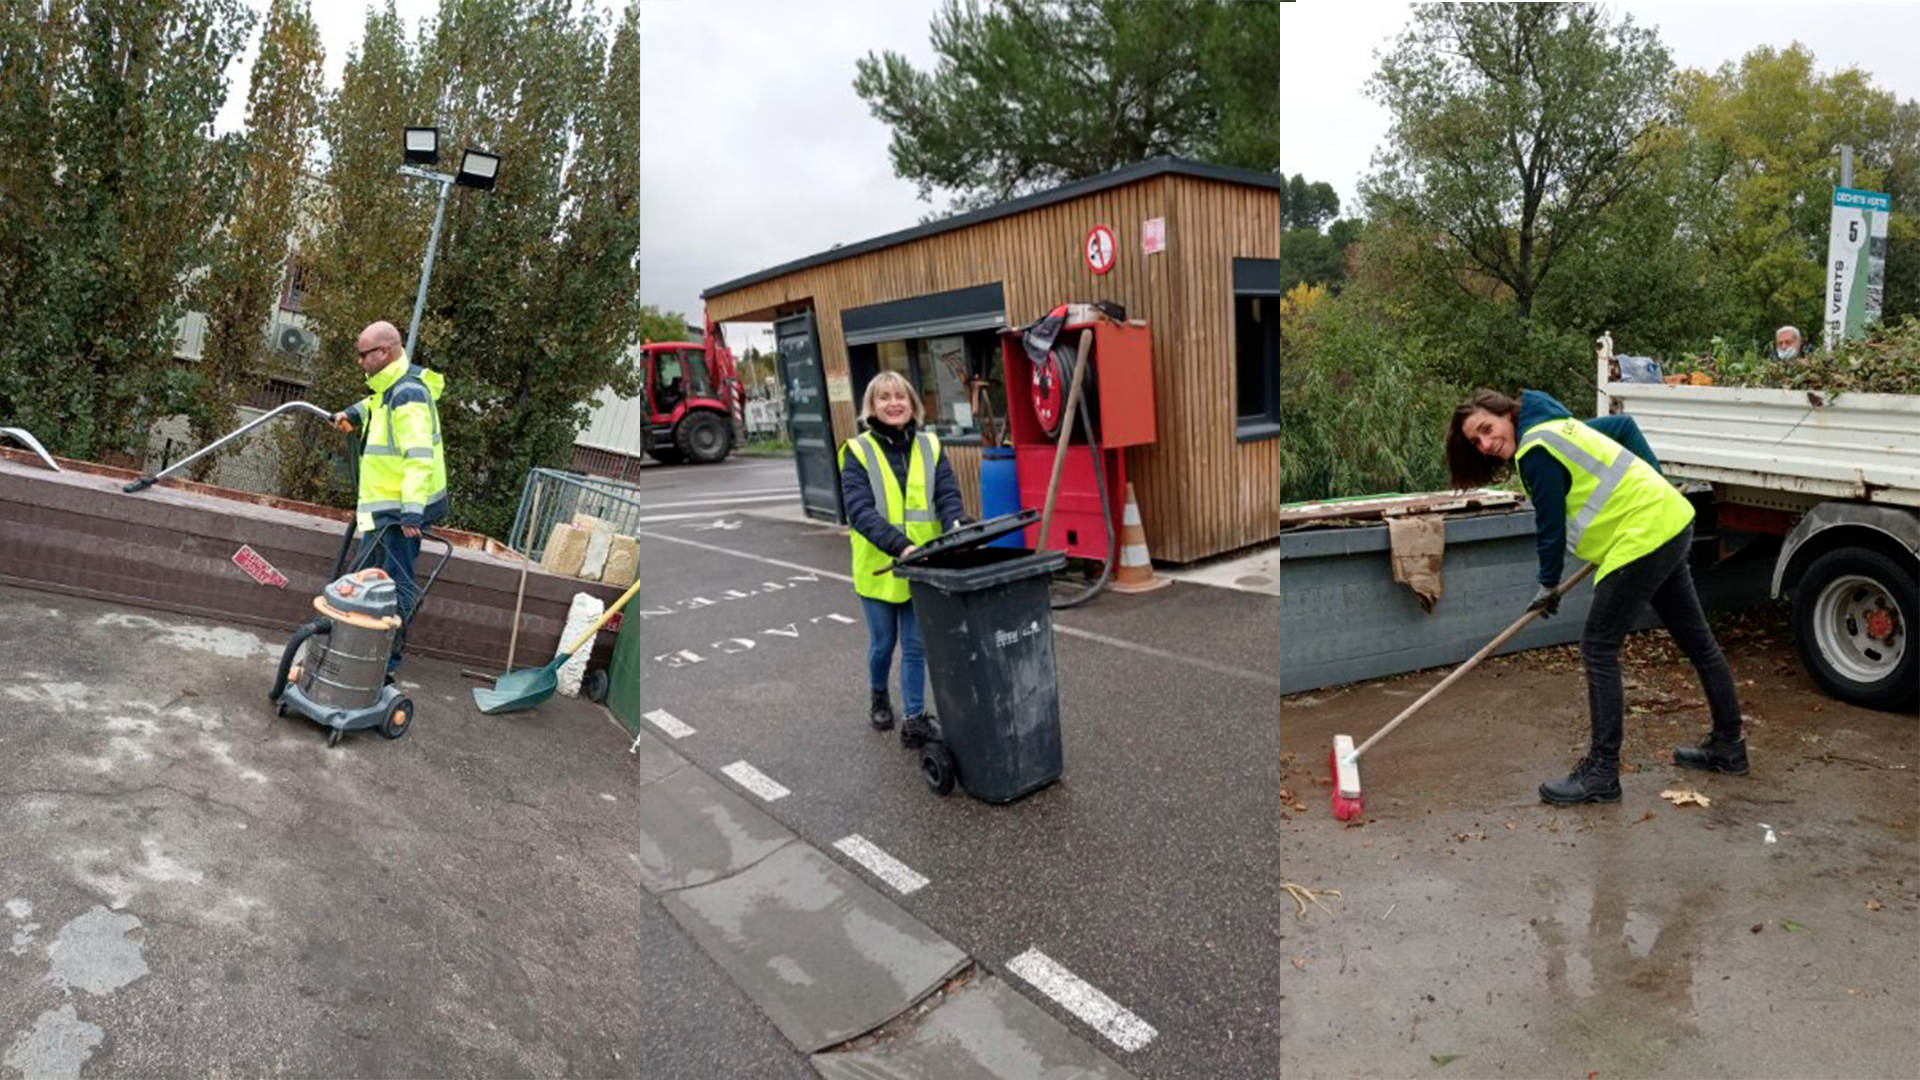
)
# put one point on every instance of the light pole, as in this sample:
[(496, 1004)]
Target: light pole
[(477, 170)]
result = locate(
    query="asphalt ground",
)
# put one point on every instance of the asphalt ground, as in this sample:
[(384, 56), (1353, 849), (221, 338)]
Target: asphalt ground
[(1146, 871), (194, 887)]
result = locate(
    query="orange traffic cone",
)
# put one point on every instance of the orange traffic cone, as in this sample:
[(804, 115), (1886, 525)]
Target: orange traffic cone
[(1135, 572)]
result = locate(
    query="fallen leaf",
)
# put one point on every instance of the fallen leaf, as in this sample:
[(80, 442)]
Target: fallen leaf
[(1687, 797), (1300, 962), (1443, 1059), (1792, 927), (1299, 808), (1510, 826), (1873, 904)]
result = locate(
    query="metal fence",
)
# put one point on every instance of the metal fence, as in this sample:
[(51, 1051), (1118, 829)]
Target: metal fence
[(564, 494)]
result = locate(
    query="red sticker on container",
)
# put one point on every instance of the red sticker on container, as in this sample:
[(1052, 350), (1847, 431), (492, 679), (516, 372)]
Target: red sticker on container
[(258, 568)]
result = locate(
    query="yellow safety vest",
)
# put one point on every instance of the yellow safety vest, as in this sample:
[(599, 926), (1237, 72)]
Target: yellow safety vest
[(1618, 506), (911, 511), (403, 469)]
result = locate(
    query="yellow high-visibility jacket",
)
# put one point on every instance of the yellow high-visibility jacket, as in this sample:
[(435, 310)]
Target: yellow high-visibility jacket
[(403, 469)]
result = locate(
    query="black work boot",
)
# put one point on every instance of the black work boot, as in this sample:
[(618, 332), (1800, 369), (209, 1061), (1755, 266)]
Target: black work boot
[(1716, 753), (918, 731), (880, 715), (1593, 780)]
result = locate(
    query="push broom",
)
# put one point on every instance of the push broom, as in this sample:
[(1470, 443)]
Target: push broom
[(1344, 760)]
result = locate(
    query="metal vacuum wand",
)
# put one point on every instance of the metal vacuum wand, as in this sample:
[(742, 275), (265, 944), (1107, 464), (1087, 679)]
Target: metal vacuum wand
[(146, 482)]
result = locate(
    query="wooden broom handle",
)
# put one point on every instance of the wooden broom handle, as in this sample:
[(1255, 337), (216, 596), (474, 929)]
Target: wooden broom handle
[(1472, 662), (1066, 436)]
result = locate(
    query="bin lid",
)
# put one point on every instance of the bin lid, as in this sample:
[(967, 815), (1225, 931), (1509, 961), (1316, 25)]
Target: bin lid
[(968, 537)]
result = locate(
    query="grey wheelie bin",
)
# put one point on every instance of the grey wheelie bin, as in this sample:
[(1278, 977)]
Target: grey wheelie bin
[(987, 625)]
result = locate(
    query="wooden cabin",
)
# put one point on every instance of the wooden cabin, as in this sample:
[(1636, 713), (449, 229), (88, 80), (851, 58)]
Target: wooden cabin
[(1196, 255)]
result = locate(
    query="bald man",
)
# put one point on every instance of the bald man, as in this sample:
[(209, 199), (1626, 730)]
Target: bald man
[(403, 472)]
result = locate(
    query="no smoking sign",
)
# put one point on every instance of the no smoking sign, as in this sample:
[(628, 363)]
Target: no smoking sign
[(1100, 249)]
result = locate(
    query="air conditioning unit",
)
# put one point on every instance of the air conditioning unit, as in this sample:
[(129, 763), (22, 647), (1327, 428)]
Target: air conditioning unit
[(296, 342)]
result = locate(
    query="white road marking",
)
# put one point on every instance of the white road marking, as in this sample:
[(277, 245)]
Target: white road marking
[(668, 723), (1079, 997), (881, 865), (720, 500), (755, 781), (1191, 661)]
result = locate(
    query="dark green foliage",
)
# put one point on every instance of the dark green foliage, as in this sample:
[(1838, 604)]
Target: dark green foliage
[(249, 260), (1885, 361), (1031, 94), (110, 193)]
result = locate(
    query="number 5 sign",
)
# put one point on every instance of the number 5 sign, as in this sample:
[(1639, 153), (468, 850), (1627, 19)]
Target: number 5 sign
[(1100, 249)]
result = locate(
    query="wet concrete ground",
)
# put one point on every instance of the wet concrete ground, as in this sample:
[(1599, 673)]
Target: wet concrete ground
[(193, 887), (1479, 932)]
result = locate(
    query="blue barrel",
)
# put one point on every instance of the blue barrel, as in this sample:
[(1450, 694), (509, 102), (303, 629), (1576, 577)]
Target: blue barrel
[(1000, 490)]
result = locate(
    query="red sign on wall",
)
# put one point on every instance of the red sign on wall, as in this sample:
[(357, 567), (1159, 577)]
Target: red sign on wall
[(1101, 251), (258, 568)]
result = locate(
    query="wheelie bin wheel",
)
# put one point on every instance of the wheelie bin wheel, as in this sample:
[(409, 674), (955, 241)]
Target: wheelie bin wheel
[(936, 767), (333, 737), (594, 687), (397, 719)]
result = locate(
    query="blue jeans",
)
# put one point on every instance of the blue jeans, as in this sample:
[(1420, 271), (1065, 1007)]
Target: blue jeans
[(886, 624), (396, 554)]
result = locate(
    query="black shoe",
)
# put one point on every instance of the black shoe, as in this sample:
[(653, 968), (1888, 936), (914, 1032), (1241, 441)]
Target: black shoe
[(918, 731), (1591, 781), (1720, 755), (880, 714)]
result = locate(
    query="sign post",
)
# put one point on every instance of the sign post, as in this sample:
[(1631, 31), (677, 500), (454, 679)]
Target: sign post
[(1856, 263)]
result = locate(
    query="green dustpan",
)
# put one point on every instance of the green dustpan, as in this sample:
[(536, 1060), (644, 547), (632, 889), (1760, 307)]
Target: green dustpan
[(528, 687)]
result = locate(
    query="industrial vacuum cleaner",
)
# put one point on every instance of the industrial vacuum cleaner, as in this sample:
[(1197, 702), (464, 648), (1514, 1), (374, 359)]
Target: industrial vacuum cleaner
[(340, 681)]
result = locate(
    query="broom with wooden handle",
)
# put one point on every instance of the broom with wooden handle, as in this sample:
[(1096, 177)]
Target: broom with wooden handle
[(1343, 762)]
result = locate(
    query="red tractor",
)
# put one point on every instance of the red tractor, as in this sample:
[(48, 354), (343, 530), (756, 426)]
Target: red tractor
[(694, 400)]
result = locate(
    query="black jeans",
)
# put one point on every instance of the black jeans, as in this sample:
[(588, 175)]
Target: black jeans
[(1661, 578)]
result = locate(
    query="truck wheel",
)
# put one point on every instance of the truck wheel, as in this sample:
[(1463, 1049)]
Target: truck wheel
[(1853, 613), (703, 438)]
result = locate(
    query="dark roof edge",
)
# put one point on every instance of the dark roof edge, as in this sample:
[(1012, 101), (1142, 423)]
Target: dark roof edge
[(1130, 174)]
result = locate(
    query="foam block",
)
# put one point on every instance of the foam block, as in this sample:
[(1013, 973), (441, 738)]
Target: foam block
[(566, 550), (598, 541), (623, 561), (580, 615)]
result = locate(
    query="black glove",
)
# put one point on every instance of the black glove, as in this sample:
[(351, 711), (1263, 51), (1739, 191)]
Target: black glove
[(1546, 601)]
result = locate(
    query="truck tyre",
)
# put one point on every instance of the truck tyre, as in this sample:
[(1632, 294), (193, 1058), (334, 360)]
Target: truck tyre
[(703, 438), (1854, 616)]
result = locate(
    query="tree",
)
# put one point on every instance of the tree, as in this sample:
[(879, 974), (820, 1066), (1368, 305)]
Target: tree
[(1308, 255), (1515, 126), (1761, 168), (534, 301), (250, 259), (1308, 206), (1031, 94), (110, 191)]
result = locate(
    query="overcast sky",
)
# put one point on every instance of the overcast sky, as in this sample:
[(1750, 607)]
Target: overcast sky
[(755, 149), (1329, 127), (341, 24)]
